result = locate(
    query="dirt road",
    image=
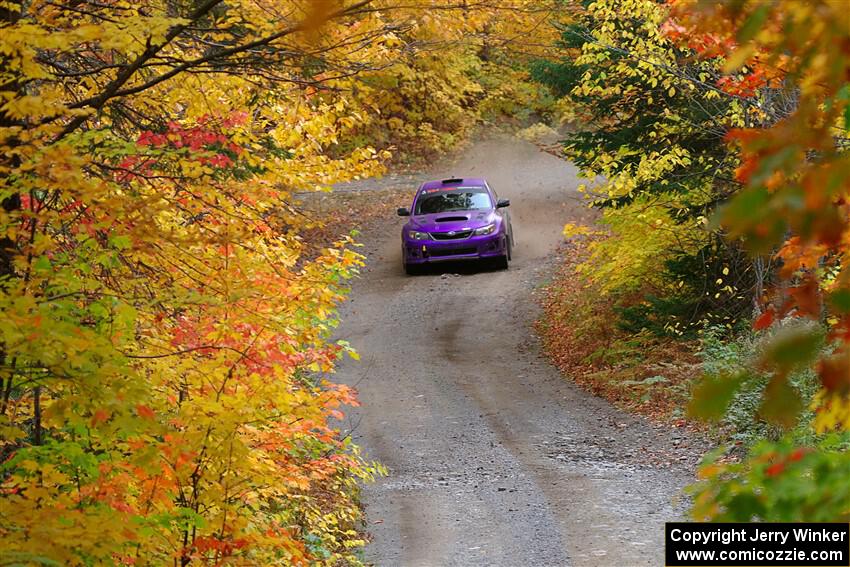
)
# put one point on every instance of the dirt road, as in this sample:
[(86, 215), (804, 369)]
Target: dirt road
[(494, 458)]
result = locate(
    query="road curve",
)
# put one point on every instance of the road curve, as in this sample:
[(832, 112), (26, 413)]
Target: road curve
[(494, 458)]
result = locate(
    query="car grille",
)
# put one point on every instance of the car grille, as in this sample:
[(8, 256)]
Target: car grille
[(453, 251), (458, 234)]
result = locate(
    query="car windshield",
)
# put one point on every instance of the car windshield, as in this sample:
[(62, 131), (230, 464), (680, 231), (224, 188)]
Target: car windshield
[(444, 200)]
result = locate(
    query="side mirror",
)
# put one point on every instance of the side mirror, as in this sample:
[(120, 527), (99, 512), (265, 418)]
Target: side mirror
[(503, 203), (403, 212)]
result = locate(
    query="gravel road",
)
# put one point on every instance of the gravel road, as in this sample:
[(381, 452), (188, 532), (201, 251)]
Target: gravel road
[(494, 457)]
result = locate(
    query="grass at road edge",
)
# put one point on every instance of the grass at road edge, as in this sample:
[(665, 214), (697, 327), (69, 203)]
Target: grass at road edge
[(640, 373)]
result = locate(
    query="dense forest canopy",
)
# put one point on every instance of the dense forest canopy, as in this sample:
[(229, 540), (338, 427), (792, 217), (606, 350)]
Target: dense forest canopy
[(165, 351), (165, 339)]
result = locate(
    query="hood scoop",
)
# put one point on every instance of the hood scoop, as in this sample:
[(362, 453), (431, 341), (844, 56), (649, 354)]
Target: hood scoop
[(450, 219)]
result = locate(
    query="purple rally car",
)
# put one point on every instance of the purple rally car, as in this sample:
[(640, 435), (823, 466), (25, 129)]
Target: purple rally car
[(456, 219)]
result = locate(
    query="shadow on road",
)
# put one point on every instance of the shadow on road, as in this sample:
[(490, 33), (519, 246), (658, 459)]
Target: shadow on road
[(463, 268)]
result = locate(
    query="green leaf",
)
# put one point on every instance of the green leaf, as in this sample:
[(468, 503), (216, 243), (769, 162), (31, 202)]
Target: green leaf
[(840, 300), (793, 347), (753, 24), (745, 506), (26, 558), (781, 404), (120, 242), (843, 95), (713, 394), (42, 264), (750, 214)]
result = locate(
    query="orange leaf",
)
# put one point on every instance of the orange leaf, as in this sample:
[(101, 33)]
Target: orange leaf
[(145, 412), (834, 372), (99, 416), (806, 297)]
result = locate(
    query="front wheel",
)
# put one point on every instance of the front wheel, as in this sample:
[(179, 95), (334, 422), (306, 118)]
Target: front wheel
[(412, 269), (502, 262)]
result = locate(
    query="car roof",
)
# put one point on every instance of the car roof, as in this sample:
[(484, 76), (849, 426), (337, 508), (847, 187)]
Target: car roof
[(454, 182)]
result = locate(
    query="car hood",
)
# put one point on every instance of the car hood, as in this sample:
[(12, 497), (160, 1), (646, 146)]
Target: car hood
[(456, 220)]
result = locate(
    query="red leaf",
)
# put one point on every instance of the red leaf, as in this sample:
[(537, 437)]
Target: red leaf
[(798, 454), (775, 469), (764, 320)]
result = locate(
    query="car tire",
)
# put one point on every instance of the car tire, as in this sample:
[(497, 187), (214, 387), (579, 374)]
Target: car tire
[(412, 270), (502, 262)]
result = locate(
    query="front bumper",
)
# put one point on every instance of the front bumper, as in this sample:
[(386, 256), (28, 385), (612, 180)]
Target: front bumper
[(471, 248)]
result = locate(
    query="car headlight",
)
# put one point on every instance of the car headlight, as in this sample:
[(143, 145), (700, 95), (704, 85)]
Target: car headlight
[(416, 235), (489, 229)]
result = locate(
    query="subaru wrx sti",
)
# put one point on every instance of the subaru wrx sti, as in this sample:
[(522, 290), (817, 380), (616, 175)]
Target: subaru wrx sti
[(456, 219)]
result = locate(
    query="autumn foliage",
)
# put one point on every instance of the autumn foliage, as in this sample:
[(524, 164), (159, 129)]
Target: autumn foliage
[(719, 130), (165, 346), (165, 341), (793, 168), (650, 135)]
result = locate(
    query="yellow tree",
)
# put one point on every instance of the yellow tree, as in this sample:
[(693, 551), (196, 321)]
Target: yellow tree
[(164, 346), (651, 127)]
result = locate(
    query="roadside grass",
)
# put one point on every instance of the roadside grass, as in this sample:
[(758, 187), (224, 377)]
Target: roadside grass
[(742, 425), (640, 373), (655, 376)]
